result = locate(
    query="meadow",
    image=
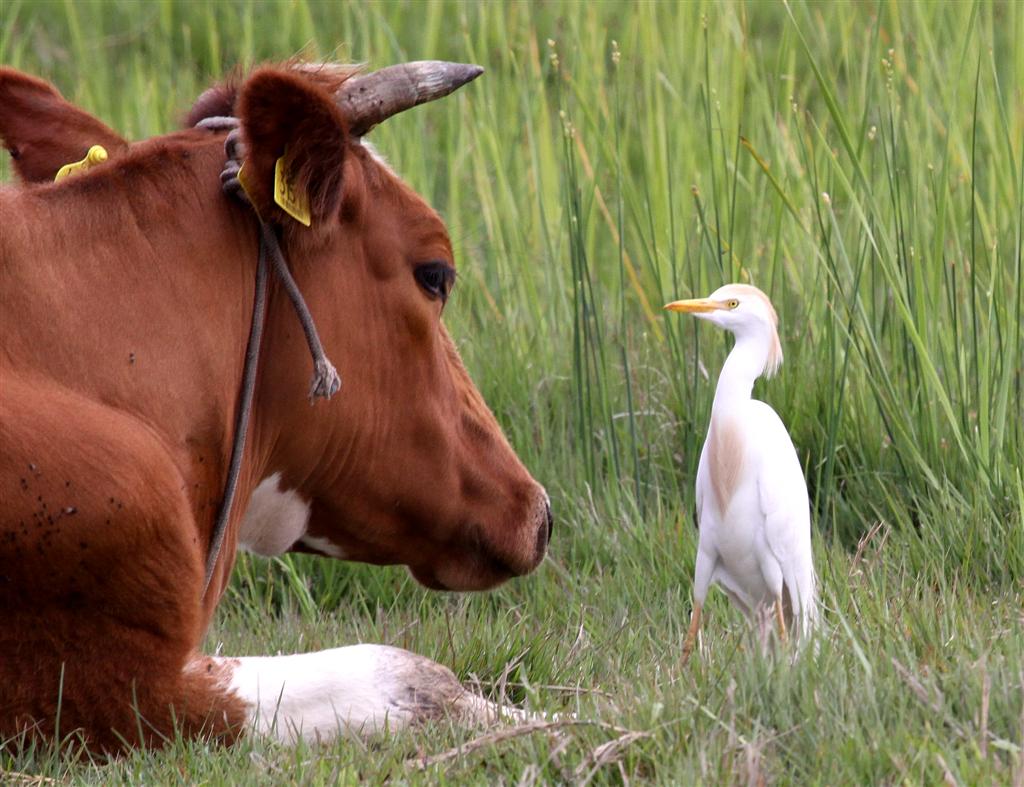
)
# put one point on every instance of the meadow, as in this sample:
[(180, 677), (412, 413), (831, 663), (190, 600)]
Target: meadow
[(863, 163)]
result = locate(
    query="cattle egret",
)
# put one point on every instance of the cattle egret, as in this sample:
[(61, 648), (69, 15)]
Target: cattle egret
[(753, 513)]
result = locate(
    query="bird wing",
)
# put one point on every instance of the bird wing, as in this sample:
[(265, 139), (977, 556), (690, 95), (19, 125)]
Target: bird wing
[(782, 494), (702, 471)]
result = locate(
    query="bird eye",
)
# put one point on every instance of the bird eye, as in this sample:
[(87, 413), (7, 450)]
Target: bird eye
[(732, 303), (435, 278)]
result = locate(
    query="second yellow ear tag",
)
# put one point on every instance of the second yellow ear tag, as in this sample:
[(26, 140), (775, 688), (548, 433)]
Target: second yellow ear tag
[(97, 155), (292, 201)]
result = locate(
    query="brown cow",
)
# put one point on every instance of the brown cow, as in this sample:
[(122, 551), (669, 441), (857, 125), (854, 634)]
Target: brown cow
[(126, 298)]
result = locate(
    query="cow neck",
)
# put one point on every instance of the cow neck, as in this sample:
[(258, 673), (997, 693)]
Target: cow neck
[(326, 381)]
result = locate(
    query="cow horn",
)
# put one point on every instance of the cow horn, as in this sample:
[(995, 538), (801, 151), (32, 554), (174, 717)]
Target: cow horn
[(368, 100)]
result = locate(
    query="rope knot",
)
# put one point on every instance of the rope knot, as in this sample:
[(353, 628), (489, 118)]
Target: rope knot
[(326, 380)]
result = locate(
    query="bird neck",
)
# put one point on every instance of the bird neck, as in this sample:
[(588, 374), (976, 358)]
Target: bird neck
[(745, 364)]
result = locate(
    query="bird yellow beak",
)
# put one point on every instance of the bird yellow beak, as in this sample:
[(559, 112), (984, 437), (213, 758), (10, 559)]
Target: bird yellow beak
[(695, 306)]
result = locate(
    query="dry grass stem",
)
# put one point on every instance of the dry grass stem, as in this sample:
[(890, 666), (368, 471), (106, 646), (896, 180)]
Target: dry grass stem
[(605, 754), (510, 733)]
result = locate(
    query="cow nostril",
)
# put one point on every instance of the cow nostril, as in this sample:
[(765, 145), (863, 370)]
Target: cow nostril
[(544, 528)]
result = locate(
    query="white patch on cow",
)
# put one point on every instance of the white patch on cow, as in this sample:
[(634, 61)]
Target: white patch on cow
[(275, 519), (323, 545), (376, 155), (359, 689)]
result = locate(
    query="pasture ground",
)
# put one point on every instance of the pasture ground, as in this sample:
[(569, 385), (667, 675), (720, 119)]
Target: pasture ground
[(861, 162)]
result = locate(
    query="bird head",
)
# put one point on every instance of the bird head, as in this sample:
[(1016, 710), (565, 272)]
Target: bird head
[(743, 310)]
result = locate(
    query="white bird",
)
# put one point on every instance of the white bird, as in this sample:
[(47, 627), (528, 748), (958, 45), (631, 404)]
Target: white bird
[(753, 513)]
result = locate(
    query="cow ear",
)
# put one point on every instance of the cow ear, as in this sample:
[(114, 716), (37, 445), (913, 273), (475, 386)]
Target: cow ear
[(216, 101), (42, 131), (286, 116)]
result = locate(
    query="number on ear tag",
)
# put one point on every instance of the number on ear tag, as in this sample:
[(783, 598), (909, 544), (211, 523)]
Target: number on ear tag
[(292, 201)]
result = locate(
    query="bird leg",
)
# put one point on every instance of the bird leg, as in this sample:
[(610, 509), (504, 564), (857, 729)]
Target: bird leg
[(691, 634), (780, 618)]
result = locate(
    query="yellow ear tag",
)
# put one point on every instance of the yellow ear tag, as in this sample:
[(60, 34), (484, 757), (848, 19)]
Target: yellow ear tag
[(292, 201), (243, 176), (97, 155)]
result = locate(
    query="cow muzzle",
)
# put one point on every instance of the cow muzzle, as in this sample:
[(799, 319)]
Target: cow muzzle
[(545, 529), (487, 559), (534, 543)]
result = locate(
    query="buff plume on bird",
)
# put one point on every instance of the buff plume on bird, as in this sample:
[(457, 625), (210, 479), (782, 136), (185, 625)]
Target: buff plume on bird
[(753, 513)]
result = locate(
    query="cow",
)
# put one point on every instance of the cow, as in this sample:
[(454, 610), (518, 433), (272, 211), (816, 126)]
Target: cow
[(126, 295)]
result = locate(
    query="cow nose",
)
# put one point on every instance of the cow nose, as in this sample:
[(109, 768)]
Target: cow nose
[(544, 529)]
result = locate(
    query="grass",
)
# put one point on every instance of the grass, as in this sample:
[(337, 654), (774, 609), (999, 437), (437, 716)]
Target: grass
[(861, 162)]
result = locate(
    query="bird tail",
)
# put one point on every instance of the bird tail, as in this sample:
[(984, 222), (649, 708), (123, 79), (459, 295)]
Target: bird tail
[(802, 597)]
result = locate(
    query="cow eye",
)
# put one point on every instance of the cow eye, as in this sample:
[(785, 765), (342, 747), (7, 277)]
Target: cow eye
[(435, 278)]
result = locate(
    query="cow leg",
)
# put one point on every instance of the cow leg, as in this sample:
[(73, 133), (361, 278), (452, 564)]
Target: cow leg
[(358, 689), (100, 580)]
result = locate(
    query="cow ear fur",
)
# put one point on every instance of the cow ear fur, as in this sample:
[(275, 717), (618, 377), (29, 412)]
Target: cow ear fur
[(217, 101), (284, 112), (42, 131)]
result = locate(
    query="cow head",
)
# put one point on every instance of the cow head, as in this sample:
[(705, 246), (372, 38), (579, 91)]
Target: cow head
[(406, 464)]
